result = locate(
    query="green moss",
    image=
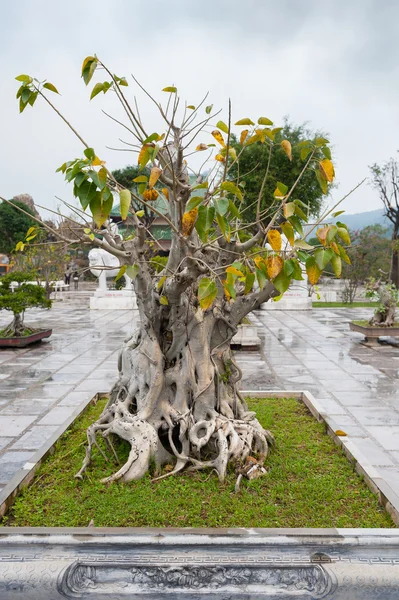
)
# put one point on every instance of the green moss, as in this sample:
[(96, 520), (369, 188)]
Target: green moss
[(365, 323), (310, 483), (27, 331)]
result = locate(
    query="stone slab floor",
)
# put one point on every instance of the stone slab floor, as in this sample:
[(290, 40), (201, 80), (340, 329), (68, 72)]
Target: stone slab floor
[(356, 386), (40, 386)]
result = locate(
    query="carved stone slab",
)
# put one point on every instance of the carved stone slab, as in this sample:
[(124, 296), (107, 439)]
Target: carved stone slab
[(151, 564)]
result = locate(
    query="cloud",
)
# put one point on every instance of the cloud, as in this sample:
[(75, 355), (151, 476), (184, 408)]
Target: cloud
[(333, 65)]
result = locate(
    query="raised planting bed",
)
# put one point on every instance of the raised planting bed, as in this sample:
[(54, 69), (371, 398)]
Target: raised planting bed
[(372, 333), (310, 483), (25, 340)]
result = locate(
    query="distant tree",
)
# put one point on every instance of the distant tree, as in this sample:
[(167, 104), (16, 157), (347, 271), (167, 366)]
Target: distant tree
[(386, 182), (253, 163), (370, 257), (13, 224)]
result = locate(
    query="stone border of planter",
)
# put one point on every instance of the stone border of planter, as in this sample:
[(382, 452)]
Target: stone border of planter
[(372, 334), (88, 563)]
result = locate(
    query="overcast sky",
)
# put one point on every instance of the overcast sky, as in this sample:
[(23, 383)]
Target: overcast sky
[(332, 64)]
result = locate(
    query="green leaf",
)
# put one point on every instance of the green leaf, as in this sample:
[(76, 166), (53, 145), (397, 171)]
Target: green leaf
[(327, 152), (305, 152), (343, 254), (234, 210), (86, 193), (288, 231), (332, 232), (264, 121), (100, 209), (121, 272), (89, 153), (32, 98), (80, 178), (289, 209), (99, 87), (221, 205), (229, 186), (336, 265), (261, 278), (300, 213), (336, 214), (292, 269), (201, 186), (25, 95), (222, 126), (140, 213), (193, 202), (245, 122), (102, 176), (322, 181), (132, 271), (51, 87), (171, 89), (221, 221), (249, 282), (207, 292), (281, 190), (86, 230), (125, 199), (320, 141), (296, 223), (20, 246), (24, 78), (302, 245), (344, 235), (208, 109), (322, 257), (154, 137), (206, 216), (282, 282), (141, 179), (88, 68)]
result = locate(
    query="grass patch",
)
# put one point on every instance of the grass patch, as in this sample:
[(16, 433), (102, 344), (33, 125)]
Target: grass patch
[(27, 331), (310, 483), (343, 305)]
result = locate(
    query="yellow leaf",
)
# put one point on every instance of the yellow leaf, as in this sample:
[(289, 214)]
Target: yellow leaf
[(124, 198), (334, 247), (234, 271), (286, 146), (201, 147), (150, 195), (274, 238), (154, 176), (327, 169), (243, 136), (219, 157), (144, 155), (259, 262), (322, 234), (97, 162), (274, 265), (188, 221), (163, 300), (312, 271), (165, 192), (341, 433), (161, 282), (218, 137)]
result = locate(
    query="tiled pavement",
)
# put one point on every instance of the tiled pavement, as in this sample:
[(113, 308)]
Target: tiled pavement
[(42, 385), (357, 386)]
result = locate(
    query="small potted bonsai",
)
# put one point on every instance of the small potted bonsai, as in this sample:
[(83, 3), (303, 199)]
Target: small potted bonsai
[(18, 298), (383, 322)]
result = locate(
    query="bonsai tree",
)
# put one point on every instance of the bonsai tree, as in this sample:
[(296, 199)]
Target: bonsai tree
[(25, 295), (386, 295), (177, 397)]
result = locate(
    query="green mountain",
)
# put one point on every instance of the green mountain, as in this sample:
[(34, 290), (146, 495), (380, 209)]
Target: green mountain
[(364, 219)]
